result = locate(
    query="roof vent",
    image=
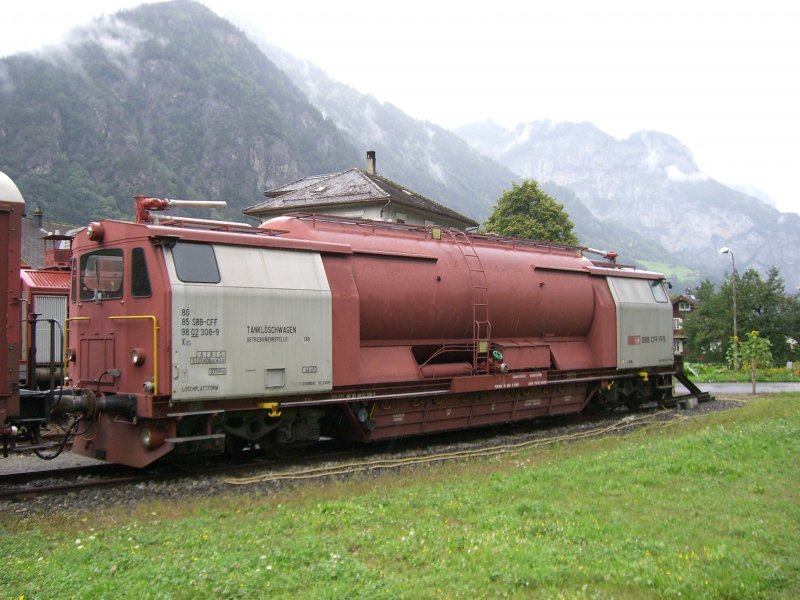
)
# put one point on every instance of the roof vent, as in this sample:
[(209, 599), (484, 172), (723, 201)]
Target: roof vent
[(371, 164)]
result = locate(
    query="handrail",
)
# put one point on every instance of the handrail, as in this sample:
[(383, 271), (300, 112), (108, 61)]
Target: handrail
[(66, 337), (155, 344)]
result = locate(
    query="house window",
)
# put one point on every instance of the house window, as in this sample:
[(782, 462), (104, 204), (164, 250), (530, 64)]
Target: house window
[(684, 307), (677, 323), (677, 346), (401, 218)]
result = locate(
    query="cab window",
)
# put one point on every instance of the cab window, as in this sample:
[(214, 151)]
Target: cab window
[(101, 275), (195, 263), (659, 293), (140, 278)]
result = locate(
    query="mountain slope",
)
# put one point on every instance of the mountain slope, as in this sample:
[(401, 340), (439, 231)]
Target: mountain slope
[(421, 155), (166, 99), (650, 180), (439, 164)]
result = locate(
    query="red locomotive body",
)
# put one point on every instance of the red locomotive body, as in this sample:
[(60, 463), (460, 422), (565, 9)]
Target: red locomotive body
[(189, 337), (192, 339)]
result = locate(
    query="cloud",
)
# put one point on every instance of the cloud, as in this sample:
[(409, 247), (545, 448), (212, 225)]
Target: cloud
[(6, 85), (116, 38), (675, 174)]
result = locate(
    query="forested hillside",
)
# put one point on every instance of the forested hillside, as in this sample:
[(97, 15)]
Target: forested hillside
[(167, 100)]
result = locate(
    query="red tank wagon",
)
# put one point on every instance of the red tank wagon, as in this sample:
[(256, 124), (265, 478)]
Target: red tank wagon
[(188, 339)]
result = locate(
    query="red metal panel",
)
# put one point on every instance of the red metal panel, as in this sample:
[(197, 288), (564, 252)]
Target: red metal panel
[(522, 355), (119, 441), (603, 335), (96, 358), (569, 356), (11, 313), (387, 364), (412, 417), (498, 382), (346, 327), (38, 281)]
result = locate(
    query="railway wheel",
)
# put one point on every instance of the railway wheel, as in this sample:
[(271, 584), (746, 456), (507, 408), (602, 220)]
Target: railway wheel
[(278, 447)]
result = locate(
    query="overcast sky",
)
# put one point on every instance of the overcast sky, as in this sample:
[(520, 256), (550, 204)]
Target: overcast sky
[(723, 76)]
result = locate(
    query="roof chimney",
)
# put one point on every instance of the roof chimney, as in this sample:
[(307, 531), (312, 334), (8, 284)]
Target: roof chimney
[(371, 168), (38, 218)]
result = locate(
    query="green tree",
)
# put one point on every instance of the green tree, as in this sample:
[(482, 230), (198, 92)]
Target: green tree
[(762, 306), (710, 324), (525, 211)]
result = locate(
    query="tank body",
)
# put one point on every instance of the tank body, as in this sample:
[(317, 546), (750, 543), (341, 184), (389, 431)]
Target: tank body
[(414, 287), (413, 303)]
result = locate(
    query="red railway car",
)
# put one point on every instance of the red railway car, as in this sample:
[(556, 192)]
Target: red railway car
[(186, 337), (45, 294), (191, 339), (12, 207)]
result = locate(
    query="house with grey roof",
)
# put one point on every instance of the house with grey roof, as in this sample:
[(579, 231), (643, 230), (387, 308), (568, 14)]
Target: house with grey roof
[(45, 244), (357, 194)]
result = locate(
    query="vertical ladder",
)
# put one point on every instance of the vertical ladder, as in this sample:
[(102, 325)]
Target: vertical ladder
[(481, 326)]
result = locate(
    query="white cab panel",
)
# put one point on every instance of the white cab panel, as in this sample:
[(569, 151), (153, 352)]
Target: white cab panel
[(644, 322), (263, 329)]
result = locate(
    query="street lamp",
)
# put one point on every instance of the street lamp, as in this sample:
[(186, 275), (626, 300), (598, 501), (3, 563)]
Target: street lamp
[(726, 250)]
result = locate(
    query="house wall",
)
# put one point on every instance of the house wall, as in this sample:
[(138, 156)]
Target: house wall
[(681, 309), (379, 212)]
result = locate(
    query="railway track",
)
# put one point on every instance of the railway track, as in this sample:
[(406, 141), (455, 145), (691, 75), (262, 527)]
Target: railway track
[(53, 481), (389, 463), (329, 461), (27, 484)]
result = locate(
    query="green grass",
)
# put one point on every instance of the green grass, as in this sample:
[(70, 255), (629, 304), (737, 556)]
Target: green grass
[(670, 271), (715, 373), (704, 508)]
